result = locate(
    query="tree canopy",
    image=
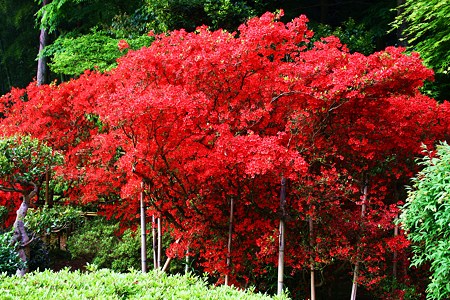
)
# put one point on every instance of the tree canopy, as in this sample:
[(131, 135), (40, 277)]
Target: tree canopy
[(208, 116), (80, 25), (424, 25)]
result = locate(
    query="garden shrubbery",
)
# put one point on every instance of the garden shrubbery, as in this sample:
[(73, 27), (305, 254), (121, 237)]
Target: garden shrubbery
[(106, 284), (97, 242), (9, 258)]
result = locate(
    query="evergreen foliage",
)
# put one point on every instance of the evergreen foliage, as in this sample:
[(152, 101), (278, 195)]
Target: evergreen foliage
[(426, 218)]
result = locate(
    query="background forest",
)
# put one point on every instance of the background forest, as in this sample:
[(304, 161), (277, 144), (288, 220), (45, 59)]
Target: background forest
[(231, 139)]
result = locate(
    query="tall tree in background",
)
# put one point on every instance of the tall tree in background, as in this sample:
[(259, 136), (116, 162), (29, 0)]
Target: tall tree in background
[(43, 41), (425, 28)]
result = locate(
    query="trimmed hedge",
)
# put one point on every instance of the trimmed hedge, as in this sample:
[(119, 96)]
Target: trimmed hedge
[(106, 284)]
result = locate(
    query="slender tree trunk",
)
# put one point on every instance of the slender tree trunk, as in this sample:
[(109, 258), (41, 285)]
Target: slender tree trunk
[(47, 186), (143, 232), (355, 283), (395, 264), (230, 237), (401, 41), (281, 238), (356, 270), (20, 235), (311, 244), (159, 243), (186, 267), (42, 60), (169, 259), (155, 244)]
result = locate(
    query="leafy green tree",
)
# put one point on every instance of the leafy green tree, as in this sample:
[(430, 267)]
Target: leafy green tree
[(82, 15), (426, 219), (72, 55), (86, 37), (24, 161), (425, 28), (94, 43)]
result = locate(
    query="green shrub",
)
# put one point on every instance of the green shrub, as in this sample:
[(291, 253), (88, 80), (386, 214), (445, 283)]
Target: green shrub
[(45, 220), (426, 219), (39, 255), (127, 253), (97, 242), (9, 259), (106, 284)]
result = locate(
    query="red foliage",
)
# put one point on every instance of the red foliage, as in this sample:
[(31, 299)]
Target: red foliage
[(208, 116)]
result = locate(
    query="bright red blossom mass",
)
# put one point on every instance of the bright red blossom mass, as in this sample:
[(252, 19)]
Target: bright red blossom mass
[(204, 117)]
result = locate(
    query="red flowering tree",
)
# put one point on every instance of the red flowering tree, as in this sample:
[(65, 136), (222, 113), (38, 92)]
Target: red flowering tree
[(211, 122)]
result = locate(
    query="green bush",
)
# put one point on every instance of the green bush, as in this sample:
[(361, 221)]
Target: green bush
[(9, 259), (426, 219), (97, 242), (39, 255), (45, 220), (106, 284)]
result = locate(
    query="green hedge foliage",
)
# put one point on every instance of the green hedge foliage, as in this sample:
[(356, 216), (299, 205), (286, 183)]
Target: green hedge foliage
[(106, 284)]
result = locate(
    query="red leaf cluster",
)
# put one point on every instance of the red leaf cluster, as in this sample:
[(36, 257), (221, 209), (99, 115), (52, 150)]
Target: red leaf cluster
[(204, 117)]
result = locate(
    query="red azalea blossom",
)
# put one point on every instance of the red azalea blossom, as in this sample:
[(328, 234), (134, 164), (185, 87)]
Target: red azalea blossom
[(123, 45)]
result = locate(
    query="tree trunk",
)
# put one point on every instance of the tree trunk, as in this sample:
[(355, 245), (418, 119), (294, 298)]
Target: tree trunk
[(395, 258), (143, 232), (356, 270), (230, 237), (155, 244), (186, 267), (311, 244), (20, 235), (169, 259), (42, 60), (48, 194), (281, 238), (159, 243)]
